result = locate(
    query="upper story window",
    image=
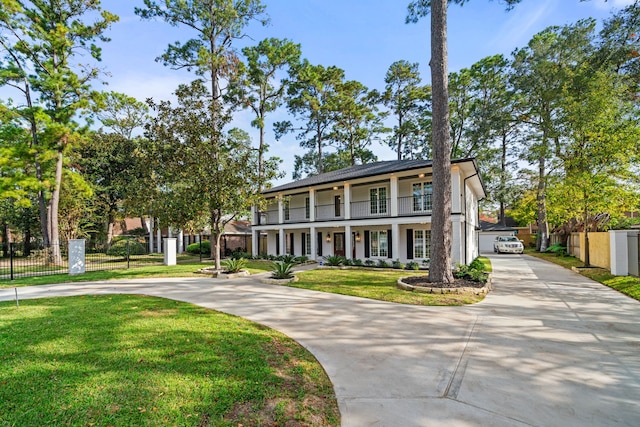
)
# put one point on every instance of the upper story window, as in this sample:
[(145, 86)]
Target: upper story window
[(422, 192), (287, 212), (378, 200), (307, 208)]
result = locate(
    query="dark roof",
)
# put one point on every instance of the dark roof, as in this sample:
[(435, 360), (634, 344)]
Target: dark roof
[(358, 171), (490, 226)]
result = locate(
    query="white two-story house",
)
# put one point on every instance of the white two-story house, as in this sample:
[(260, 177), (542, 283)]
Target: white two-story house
[(379, 210)]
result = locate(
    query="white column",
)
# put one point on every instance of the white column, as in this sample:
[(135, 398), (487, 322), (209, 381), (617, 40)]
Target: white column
[(283, 243), (255, 242), (150, 234), (619, 252), (170, 232), (280, 210), (180, 241), (395, 240), (159, 238), (312, 205), (313, 239), (393, 196), (348, 248), (169, 251), (347, 201)]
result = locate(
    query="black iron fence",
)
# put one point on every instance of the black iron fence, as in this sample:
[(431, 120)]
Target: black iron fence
[(32, 259)]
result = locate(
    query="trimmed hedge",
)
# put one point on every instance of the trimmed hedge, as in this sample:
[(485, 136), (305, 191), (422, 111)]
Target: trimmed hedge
[(119, 248), (194, 248)]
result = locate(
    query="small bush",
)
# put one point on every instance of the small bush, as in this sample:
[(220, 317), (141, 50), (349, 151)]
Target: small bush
[(119, 248), (358, 262), (369, 262), (474, 272), (412, 265), (282, 270), (234, 265), (557, 249), (194, 248), (398, 265), (301, 259), (287, 259), (382, 264), (240, 253), (334, 260)]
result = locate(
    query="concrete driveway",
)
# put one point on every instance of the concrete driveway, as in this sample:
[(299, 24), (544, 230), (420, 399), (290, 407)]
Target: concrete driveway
[(546, 348)]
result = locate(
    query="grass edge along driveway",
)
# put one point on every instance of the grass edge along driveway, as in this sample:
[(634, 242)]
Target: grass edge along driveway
[(123, 360)]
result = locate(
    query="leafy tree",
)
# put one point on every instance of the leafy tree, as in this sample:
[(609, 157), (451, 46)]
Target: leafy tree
[(254, 85), (408, 102), (200, 170), (540, 72), (357, 122), (216, 24), (44, 43), (311, 98), (121, 113), (441, 230)]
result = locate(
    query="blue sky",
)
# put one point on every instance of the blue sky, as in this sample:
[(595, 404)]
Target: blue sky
[(363, 37)]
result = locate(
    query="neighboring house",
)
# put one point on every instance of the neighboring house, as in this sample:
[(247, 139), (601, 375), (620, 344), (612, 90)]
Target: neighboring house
[(379, 210)]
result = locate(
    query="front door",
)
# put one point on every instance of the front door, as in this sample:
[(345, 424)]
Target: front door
[(338, 244)]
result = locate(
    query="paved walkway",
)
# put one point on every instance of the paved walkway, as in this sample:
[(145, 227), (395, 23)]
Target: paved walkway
[(546, 348)]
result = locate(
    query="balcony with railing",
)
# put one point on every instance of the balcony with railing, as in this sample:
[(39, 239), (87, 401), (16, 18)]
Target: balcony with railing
[(330, 212), (269, 217), (415, 205), (373, 208), (293, 215)]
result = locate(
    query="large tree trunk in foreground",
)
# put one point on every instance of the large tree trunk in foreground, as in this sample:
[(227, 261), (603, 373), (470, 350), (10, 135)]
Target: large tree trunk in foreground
[(441, 231)]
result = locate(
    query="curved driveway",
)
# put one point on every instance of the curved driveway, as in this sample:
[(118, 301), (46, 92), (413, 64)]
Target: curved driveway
[(547, 347)]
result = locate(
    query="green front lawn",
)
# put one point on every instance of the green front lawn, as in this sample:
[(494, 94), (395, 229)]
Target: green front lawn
[(141, 361), (628, 285), (375, 284)]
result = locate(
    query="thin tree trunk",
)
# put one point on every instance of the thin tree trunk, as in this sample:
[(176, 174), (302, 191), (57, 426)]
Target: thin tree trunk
[(441, 229), (54, 203), (543, 225)]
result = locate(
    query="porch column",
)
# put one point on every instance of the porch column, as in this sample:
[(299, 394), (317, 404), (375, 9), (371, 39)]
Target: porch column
[(283, 242), (180, 241), (312, 205), (159, 237), (313, 239), (393, 195), (347, 200), (348, 248), (255, 242), (395, 240), (150, 234)]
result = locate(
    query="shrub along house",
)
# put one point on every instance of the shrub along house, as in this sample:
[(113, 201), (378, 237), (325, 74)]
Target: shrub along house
[(375, 211)]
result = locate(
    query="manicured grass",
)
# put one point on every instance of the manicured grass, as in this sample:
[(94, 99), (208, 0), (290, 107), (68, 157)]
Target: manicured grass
[(179, 270), (375, 284), (140, 361), (628, 285)]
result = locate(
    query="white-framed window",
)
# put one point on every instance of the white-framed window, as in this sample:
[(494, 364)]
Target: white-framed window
[(378, 198), (287, 213), (422, 192), (378, 244), (307, 244), (421, 244), (307, 208)]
